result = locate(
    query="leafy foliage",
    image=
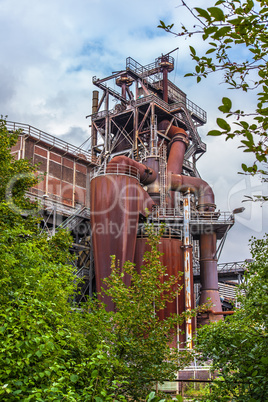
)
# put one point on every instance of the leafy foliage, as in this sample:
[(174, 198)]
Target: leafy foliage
[(238, 345), (136, 337), (16, 176), (44, 355), (53, 350), (231, 28)]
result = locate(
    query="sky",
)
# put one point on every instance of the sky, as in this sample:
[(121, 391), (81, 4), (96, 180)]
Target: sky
[(50, 50)]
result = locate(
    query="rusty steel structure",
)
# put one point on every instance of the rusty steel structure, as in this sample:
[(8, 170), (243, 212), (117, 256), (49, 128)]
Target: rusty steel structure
[(141, 167), (147, 146)]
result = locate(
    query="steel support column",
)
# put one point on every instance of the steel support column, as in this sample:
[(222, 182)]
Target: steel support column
[(187, 266)]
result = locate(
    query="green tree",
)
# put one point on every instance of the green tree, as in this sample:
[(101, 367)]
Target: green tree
[(53, 350), (238, 346), (16, 176), (137, 339), (236, 35), (44, 355)]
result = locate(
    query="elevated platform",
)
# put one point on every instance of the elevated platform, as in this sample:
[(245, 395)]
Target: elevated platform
[(200, 222), (230, 271)]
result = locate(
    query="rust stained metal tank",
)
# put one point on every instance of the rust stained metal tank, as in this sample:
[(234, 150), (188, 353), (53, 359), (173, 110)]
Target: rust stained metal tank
[(173, 259), (116, 202)]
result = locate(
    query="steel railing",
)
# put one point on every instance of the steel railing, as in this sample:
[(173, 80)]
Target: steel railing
[(51, 140), (196, 217), (115, 169)]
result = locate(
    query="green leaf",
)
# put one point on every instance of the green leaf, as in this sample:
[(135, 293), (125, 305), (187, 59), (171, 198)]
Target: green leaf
[(94, 374), (162, 25), (192, 50), (223, 124), (203, 13), (264, 360), (74, 378), (216, 13), (226, 105), (39, 353), (221, 33), (227, 102), (244, 124), (214, 132), (210, 50), (151, 396)]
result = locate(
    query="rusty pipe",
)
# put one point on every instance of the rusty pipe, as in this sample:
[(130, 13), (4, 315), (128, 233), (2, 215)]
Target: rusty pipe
[(207, 241), (230, 312), (177, 146), (165, 85), (147, 174), (196, 186), (205, 195), (95, 103)]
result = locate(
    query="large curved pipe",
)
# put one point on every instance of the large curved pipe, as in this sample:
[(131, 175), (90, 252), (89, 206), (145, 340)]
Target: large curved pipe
[(123, 164), (196, 186), (177, 146)]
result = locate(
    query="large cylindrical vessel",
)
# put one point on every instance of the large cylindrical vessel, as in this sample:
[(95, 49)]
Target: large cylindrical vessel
[(173, 260)]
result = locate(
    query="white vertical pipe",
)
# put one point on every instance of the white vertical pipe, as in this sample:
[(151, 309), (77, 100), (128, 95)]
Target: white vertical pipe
[(187, 266)]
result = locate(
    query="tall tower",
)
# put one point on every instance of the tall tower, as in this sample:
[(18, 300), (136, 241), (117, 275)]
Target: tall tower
[(147, 147)]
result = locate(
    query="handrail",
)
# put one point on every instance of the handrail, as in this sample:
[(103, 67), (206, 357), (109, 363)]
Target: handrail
[(228, 267), (213, 217), (142, 71), (232, 266), (51, 140), (115, 169), (196, 217)]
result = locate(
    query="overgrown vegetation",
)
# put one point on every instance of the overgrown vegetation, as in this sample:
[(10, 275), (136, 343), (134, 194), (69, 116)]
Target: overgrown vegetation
[(238, 346), (41, 348), (51, 350), (236, 36)]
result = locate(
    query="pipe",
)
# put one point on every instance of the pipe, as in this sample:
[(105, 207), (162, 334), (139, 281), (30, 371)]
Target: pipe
[(177, 146), (165, 84), (207, 241), (95, 102), (187, 268), (230, 312), (147, 174), (197, 186)]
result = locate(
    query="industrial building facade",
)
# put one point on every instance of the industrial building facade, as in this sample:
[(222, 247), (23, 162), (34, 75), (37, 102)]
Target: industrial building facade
[(141, 167)]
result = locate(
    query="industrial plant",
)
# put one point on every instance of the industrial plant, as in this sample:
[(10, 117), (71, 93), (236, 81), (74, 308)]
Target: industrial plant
[(140, 167)]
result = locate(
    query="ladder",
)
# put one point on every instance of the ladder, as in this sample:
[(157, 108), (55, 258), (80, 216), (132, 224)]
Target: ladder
[(163, 175)]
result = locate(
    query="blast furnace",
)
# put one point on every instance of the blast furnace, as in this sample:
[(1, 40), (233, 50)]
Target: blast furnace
[(147, 145)]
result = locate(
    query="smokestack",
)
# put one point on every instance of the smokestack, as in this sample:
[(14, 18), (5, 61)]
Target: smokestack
[(95, 103)]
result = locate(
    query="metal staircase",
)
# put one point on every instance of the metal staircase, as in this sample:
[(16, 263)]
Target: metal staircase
[(74, 220)]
